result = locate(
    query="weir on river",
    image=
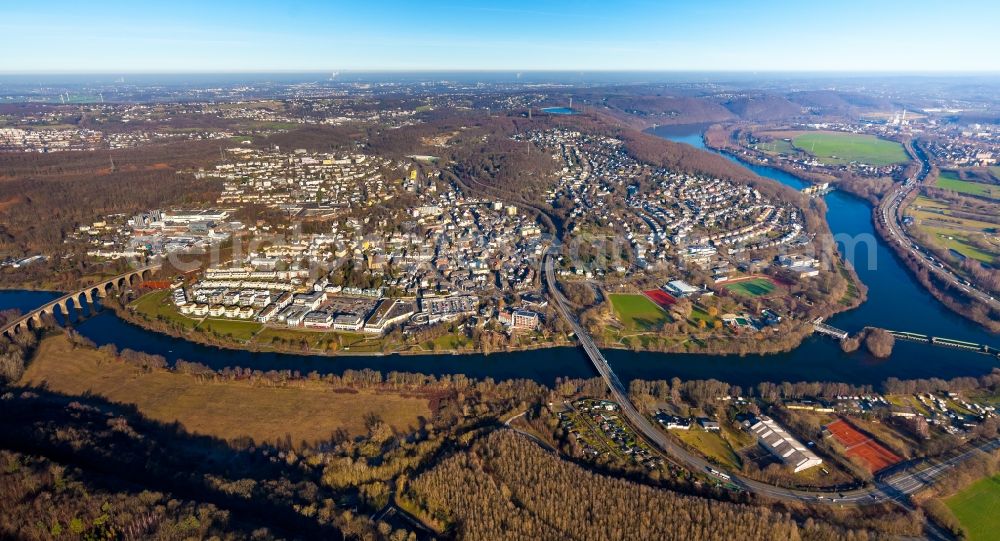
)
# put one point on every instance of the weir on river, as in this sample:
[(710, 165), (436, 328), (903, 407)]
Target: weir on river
[(946, 342), (828, 330)]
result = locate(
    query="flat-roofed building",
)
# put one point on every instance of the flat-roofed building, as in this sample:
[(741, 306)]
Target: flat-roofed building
[(188, 216), (520, 319), (318, 320), (680, 288), (310, 300), (388, 313), (348, 322)]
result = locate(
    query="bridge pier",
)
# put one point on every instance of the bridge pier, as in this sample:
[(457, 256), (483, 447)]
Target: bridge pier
[(36, 318)]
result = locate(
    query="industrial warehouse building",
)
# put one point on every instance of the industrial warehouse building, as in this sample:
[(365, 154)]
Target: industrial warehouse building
[(781, 444)]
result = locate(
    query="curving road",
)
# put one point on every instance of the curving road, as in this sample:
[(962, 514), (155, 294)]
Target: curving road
[(894, 487), (889, 215)]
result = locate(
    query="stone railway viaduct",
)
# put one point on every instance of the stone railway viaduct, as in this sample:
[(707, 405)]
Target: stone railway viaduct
[(89, 294)]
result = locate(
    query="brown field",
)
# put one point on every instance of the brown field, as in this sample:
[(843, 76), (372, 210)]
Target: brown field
[(780, 134), (891, 439), (861, 446), (309, 411)]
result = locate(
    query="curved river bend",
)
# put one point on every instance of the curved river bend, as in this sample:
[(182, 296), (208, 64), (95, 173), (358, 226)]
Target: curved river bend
[(895, 301)]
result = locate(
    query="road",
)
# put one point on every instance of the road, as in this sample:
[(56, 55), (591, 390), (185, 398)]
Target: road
[(894, 487), (526, 434), (889, 216)]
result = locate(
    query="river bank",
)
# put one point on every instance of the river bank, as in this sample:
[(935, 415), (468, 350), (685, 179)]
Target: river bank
[(719, 139), (704, 344), (130, 315), (131, 318), (816, 359), (974, 312), (895, 301)]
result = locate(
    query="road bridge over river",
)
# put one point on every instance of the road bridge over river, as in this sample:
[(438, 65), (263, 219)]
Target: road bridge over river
[(906, 479)]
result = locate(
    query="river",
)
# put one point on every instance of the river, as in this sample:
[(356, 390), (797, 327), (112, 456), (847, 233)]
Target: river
[(895, 301)]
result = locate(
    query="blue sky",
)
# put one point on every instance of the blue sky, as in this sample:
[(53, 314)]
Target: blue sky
[(209, 35)]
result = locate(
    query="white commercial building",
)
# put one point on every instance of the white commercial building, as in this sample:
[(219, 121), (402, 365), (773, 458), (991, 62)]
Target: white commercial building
[(680, 288), (781, 444)]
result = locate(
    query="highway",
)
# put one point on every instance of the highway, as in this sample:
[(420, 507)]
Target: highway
[(889, 216), (896, 487)]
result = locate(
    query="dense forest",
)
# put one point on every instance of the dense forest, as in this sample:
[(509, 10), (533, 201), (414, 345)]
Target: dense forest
[(506, 487), (645, 105), (43, 499), (43, 197)]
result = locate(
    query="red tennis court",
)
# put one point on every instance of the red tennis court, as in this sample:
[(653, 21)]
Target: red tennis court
[(860, 446)]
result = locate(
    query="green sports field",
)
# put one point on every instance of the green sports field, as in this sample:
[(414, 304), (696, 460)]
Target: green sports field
[(837, 148), (637, 312), (755, 287), (776, 146), (950, 181), (976, 508)]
